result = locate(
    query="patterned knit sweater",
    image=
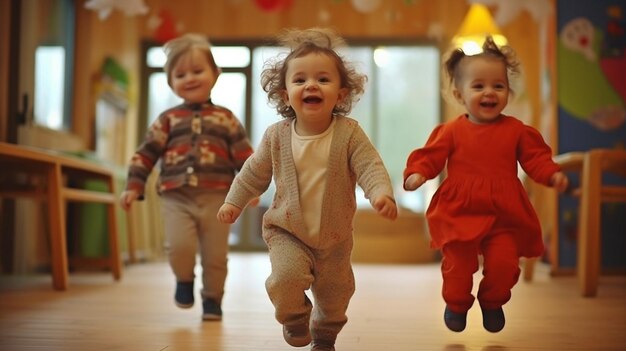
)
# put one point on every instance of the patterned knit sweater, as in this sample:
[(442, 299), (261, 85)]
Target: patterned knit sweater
[(199, 145), (353, 159)]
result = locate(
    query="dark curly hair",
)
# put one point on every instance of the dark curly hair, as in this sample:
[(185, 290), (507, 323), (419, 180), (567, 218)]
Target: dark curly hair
[(505, 53), (301, 43)]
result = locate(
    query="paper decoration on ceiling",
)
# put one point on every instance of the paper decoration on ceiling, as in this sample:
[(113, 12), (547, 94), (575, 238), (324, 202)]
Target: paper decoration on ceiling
[(435, 31), (591, 86), (273, 5), (366, 6), (507, 10), (105, 7), (323, 16), (164, 26)]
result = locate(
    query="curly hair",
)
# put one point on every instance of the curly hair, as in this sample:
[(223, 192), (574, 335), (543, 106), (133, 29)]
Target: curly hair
[(505, 54), (177, 47), (301, 43)]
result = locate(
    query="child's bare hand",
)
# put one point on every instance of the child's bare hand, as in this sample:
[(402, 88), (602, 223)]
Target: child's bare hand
[(386, 207), (127, 198), (228, 213), (414, 181), (559, 181)]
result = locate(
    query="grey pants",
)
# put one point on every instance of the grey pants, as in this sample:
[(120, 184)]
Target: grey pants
[(191, 227), (295, 269)]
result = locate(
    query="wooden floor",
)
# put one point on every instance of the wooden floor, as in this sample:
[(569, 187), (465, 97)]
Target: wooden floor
[(395, 308)]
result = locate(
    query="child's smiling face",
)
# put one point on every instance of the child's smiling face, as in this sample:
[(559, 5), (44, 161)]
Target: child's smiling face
[(313, 86), (483, 88), (193, 77)]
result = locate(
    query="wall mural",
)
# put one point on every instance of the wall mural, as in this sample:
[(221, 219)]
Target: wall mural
[(591, 80)]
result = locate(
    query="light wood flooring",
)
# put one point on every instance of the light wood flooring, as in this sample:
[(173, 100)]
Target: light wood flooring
[(395, 308)]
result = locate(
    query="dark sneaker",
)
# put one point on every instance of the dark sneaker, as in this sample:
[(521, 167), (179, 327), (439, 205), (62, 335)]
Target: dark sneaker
[(211, 310), (297, 335), (493, 320), (322, 345), (184, 294), (455, 321)]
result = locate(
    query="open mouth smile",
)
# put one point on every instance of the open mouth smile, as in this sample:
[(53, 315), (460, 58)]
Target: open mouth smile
[(312, 100), (489, 104)]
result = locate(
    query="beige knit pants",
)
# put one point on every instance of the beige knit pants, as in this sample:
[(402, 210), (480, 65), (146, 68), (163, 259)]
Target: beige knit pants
[(190, 228), (295, 269)]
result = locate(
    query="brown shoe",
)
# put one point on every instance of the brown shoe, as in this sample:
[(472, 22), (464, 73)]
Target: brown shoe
[(322, 345), (297, 335)]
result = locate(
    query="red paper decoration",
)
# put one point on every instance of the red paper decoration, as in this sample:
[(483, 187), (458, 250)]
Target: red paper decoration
[(166, 29), (273, 5)]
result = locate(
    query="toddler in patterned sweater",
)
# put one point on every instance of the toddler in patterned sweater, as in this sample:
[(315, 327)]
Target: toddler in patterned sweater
[(201, 146)]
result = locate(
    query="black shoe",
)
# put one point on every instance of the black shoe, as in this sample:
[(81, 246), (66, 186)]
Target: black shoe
[(493, 320), (211, 310), (184, 294), (455, 321)]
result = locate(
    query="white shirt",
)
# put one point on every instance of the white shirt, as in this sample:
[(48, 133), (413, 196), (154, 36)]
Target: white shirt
[(310, 155)]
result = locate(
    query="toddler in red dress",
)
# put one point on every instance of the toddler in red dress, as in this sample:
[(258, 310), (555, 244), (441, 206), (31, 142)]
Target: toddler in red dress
[(482, 208)]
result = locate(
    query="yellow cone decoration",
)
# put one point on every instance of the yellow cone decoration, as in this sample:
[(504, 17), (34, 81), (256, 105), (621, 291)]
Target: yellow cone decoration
[(477, 24)]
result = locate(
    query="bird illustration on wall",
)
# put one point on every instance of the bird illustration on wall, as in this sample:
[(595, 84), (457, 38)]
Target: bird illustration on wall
[(591, 85)]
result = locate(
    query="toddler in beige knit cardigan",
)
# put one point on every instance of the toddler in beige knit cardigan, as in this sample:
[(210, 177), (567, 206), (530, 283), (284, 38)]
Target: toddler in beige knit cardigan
[(316, 156)]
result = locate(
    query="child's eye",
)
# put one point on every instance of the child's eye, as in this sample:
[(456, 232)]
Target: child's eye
[(298, 81), (198, 71), (324, 80), (477, 86)]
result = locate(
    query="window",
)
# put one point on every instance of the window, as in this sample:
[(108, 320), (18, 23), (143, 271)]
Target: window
[(53, 54), (49, 86), (400, 107)]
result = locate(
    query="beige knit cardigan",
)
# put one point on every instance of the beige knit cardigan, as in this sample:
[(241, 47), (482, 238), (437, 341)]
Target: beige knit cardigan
[(352, 160)]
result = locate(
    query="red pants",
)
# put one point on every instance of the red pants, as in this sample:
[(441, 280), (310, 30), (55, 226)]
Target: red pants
[(500, 271)]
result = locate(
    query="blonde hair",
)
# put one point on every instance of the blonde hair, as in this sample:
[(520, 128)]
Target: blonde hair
[(301, 43), (176, 47)]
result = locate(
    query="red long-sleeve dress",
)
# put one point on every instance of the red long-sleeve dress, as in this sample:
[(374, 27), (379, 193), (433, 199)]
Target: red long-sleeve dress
[(482, 192)]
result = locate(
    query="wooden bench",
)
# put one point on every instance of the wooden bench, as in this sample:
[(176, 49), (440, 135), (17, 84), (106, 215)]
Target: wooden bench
[(60, 171)]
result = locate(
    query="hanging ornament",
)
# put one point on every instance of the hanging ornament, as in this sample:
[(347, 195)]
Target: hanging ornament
[(507, 10), (273, 5), (164, 26), (323, 16), (105, 7), (366, 6)]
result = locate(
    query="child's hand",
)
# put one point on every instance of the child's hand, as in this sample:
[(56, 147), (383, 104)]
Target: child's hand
[(559, 181), (414, 181), (386, 207), (228, 213), (127, 198)]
